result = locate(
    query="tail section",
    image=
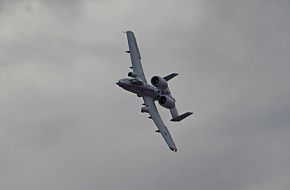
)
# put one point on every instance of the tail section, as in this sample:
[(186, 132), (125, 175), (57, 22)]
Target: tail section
[(181, 117), (174, 113), (176, 117), (168, 77)]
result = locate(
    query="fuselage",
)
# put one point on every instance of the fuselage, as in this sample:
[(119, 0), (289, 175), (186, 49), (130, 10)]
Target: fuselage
[(140, 88)]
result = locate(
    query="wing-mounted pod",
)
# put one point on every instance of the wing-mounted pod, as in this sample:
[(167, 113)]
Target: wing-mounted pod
[(145, 109), (132, 74)]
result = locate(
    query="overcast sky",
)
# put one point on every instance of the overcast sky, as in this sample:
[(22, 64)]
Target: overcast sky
[(66, 125)]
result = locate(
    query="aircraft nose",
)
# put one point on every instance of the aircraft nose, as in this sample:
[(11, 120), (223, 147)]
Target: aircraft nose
[(118, 83)]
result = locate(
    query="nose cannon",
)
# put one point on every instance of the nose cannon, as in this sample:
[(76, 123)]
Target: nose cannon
[(119, 83)]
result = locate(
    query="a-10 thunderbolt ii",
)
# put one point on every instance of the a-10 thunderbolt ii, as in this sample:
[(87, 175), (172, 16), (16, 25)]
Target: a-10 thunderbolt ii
[(158, 92)]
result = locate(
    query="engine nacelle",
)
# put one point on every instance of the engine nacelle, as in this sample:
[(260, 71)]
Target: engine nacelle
[(166, 101), (159, 82)]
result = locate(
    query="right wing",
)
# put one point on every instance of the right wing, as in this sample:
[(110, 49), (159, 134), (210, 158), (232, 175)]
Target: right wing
[(135, 56), (149, 103)]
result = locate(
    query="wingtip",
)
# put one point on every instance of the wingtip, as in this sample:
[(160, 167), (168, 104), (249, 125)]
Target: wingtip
[(129, 32), (173, 149)]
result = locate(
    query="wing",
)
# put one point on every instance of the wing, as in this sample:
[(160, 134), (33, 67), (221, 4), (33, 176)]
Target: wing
[(149, 102), (135, 56)]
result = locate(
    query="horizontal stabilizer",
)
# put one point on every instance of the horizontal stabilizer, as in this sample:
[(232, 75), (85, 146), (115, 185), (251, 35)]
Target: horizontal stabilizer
[(168, 77), (181, 117)]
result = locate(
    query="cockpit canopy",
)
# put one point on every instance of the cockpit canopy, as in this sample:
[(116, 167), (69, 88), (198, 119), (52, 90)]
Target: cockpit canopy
[(136, 81)]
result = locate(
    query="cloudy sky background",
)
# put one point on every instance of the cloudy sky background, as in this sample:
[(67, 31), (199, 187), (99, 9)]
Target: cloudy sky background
[(65, 125)]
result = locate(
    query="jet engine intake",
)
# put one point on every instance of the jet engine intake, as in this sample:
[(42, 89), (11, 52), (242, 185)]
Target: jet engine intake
[(166, 101), (159, 82)]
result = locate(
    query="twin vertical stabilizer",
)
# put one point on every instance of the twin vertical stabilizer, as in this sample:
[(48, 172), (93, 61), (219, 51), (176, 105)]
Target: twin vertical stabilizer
[(174, 113)]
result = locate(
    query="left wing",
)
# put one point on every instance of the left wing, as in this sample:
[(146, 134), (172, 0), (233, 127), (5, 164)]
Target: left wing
[(135, 56), (149, 103)]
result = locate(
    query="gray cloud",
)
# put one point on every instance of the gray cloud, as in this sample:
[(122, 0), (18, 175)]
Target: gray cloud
[(66, 125)]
